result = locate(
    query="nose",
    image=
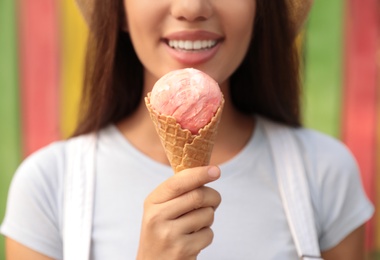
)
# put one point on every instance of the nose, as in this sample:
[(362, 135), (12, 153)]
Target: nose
[(191, 10)]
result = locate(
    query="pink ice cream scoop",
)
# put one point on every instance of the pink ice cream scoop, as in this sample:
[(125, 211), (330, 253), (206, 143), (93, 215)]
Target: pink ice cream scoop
[(189, 95)]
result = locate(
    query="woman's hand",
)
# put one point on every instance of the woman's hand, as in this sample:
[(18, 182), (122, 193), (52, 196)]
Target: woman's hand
[(178, 215)]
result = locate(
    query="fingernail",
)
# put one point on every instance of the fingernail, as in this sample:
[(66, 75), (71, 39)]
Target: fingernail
[(213, 172)]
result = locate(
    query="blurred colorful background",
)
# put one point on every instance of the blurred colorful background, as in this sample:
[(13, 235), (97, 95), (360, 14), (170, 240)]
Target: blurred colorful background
[(42, 45)]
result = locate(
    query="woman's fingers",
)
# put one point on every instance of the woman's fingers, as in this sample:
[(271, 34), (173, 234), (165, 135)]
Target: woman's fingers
[(183, 182), (199, 240), (202, 197), (178, 215), (195, 220)]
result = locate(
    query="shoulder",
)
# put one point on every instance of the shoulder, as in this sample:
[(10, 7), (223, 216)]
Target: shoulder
[(338, 198), (53, 158), (327, 160), (328, 164), (331, 168), (316, 148), (34, 207), (323, 149), (40, 177), (35, 201), (46, 162)]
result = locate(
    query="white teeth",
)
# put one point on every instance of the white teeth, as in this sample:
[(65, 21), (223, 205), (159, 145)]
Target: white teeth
[(192, 45), (197, 45), (188, 45)]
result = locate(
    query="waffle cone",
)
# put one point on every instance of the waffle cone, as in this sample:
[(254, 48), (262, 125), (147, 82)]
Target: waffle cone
[(183, 149)]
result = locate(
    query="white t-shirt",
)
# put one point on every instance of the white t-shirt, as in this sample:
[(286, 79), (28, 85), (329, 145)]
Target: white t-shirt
[(249, 224)]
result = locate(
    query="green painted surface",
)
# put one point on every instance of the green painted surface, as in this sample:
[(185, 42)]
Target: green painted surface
[(10, 144), (324, 67)]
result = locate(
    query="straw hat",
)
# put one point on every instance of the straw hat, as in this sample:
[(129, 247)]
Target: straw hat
[(299, 10)]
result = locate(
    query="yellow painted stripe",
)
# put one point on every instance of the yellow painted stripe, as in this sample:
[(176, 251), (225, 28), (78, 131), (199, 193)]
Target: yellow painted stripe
[(74, 35)]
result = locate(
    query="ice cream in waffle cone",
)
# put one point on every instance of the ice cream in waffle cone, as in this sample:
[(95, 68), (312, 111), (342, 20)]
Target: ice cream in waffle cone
[(187, 148)]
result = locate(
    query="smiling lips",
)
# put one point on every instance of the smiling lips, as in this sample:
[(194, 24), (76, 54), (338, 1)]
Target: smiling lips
[(198, 45), (193, 47)]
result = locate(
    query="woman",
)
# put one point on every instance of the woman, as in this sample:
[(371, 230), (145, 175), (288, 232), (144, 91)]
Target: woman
[(141, 209)]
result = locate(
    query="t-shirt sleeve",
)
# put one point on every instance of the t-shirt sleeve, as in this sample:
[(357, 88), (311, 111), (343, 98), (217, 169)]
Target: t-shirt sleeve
[(341, 204), (34, 203)]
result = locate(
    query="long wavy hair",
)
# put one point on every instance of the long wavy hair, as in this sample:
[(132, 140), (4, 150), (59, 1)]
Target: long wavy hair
[(266, 83)]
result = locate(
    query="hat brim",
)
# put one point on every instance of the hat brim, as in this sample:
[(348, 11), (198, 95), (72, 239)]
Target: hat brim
[(299, 10)]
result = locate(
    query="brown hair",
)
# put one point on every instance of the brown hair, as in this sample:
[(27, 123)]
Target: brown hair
[(266, 83)]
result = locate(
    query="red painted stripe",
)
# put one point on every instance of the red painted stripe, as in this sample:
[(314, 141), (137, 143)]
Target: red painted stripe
[(39, 72), (359, 119), (377, 159)]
